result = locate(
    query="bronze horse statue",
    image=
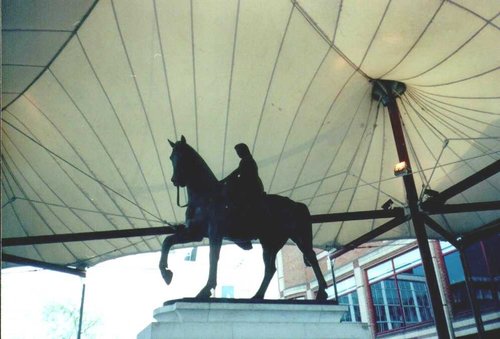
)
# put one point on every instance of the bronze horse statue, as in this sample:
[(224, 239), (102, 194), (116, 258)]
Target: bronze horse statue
[(277, 220)]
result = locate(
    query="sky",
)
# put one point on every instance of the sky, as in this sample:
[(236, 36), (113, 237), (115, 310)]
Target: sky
[(121, 294)]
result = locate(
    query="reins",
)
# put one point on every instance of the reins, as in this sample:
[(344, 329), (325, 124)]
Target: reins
[(178, 199), (196, 161)]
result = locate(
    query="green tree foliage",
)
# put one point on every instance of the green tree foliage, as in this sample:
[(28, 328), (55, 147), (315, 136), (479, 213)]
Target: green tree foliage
[(63, 322)]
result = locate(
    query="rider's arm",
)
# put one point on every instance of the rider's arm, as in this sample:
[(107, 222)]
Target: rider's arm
[(231, 176)]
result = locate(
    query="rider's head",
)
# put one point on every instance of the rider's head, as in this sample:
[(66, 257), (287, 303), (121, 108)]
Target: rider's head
[(242, 150)]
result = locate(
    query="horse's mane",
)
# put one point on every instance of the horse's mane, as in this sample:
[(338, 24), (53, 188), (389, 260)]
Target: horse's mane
[(199, 163)]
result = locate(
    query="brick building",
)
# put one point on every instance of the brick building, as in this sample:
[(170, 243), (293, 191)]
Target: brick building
[(383, 284)]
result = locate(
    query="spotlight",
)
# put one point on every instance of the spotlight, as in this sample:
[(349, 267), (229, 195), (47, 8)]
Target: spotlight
[(387, 205), (431, 193), (401, 168)]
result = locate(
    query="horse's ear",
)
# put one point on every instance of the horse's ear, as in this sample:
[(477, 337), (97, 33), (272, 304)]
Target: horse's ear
[(183, 140), (171, 143)]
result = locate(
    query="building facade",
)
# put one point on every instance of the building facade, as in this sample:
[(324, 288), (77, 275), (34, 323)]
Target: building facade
[(383, 284)]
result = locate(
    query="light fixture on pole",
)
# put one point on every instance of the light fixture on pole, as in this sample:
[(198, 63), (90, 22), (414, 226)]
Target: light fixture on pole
[(387, 205), (431, 193), (401, 168)]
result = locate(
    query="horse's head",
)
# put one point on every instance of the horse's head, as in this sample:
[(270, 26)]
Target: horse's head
[(189, 168), (181, 162)]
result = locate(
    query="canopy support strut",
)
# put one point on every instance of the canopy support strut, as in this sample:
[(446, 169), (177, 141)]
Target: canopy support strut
[(442, 232), (87, 236), (386, 92), (481, 175), (369, 236), (47, 266), (163, 230), (484, 232)]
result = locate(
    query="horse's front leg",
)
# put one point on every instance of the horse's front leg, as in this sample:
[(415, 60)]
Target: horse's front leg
[(215, 246), (182, 236)]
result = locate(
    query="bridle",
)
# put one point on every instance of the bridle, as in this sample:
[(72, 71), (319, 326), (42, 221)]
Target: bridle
[(178, 199)]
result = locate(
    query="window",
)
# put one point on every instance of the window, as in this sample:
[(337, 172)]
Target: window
[(227, 292), (191, 256), (491, 247), (484, 266), (388, 312), (399, 293), (348, 296), (456, 279), (482, 258)]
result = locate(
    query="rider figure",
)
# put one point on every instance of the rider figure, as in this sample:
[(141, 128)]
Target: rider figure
[(246, 184)]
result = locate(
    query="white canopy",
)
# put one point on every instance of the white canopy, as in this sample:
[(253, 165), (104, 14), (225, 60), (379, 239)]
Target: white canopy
[(93, 90)]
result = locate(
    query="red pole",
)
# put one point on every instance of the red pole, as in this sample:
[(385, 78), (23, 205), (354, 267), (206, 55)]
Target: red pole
[(387, 93)]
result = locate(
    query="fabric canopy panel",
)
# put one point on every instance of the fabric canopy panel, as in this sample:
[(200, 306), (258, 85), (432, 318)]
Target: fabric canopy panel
[(32, 33), (85, 146)]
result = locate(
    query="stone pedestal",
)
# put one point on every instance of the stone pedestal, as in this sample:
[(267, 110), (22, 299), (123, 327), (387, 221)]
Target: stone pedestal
[(244, 318)]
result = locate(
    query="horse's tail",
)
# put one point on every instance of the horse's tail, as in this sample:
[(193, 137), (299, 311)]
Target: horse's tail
[(305, 226), (305, 220)]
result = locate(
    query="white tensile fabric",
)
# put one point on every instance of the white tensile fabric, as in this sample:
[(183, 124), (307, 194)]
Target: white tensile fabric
[(84, 148)]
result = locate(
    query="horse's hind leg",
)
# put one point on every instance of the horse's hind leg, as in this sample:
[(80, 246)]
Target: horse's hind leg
[(303, 239), (269, 256), (310, 255)]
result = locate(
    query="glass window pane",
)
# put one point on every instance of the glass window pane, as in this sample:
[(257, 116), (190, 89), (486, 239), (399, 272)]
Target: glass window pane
[(396, 314), (380, 271), (406, 260), (401, 302), (491, 246), (456, 277), (446, 247), (481, 275), (477, 264), (346, 285), (351, 300), (454, 268), (357, 313), (227, 292), (388, 311), (425, 313), (418, 271)]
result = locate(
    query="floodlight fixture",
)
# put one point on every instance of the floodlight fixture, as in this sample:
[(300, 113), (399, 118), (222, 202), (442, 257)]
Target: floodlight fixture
[(431, 193), (387, 205), (401, 169)]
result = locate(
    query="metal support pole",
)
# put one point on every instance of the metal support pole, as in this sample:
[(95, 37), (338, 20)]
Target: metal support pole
[(471, 295), (80, 320), (441, 231), (461, 186), (387, 91), (483, 232), (45, 265), (334, 280), (369, 236), (87, 236)]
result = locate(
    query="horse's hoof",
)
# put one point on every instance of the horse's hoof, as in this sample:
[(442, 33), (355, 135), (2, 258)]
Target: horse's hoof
[(322, 295), (167, 275), (205, 293)]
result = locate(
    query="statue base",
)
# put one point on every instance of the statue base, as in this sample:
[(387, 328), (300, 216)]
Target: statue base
[(246, 318)]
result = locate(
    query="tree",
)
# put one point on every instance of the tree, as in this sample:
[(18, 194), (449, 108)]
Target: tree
[(63, 321)]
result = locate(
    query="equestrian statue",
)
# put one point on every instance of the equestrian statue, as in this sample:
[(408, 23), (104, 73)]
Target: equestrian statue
[(236, 209)]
